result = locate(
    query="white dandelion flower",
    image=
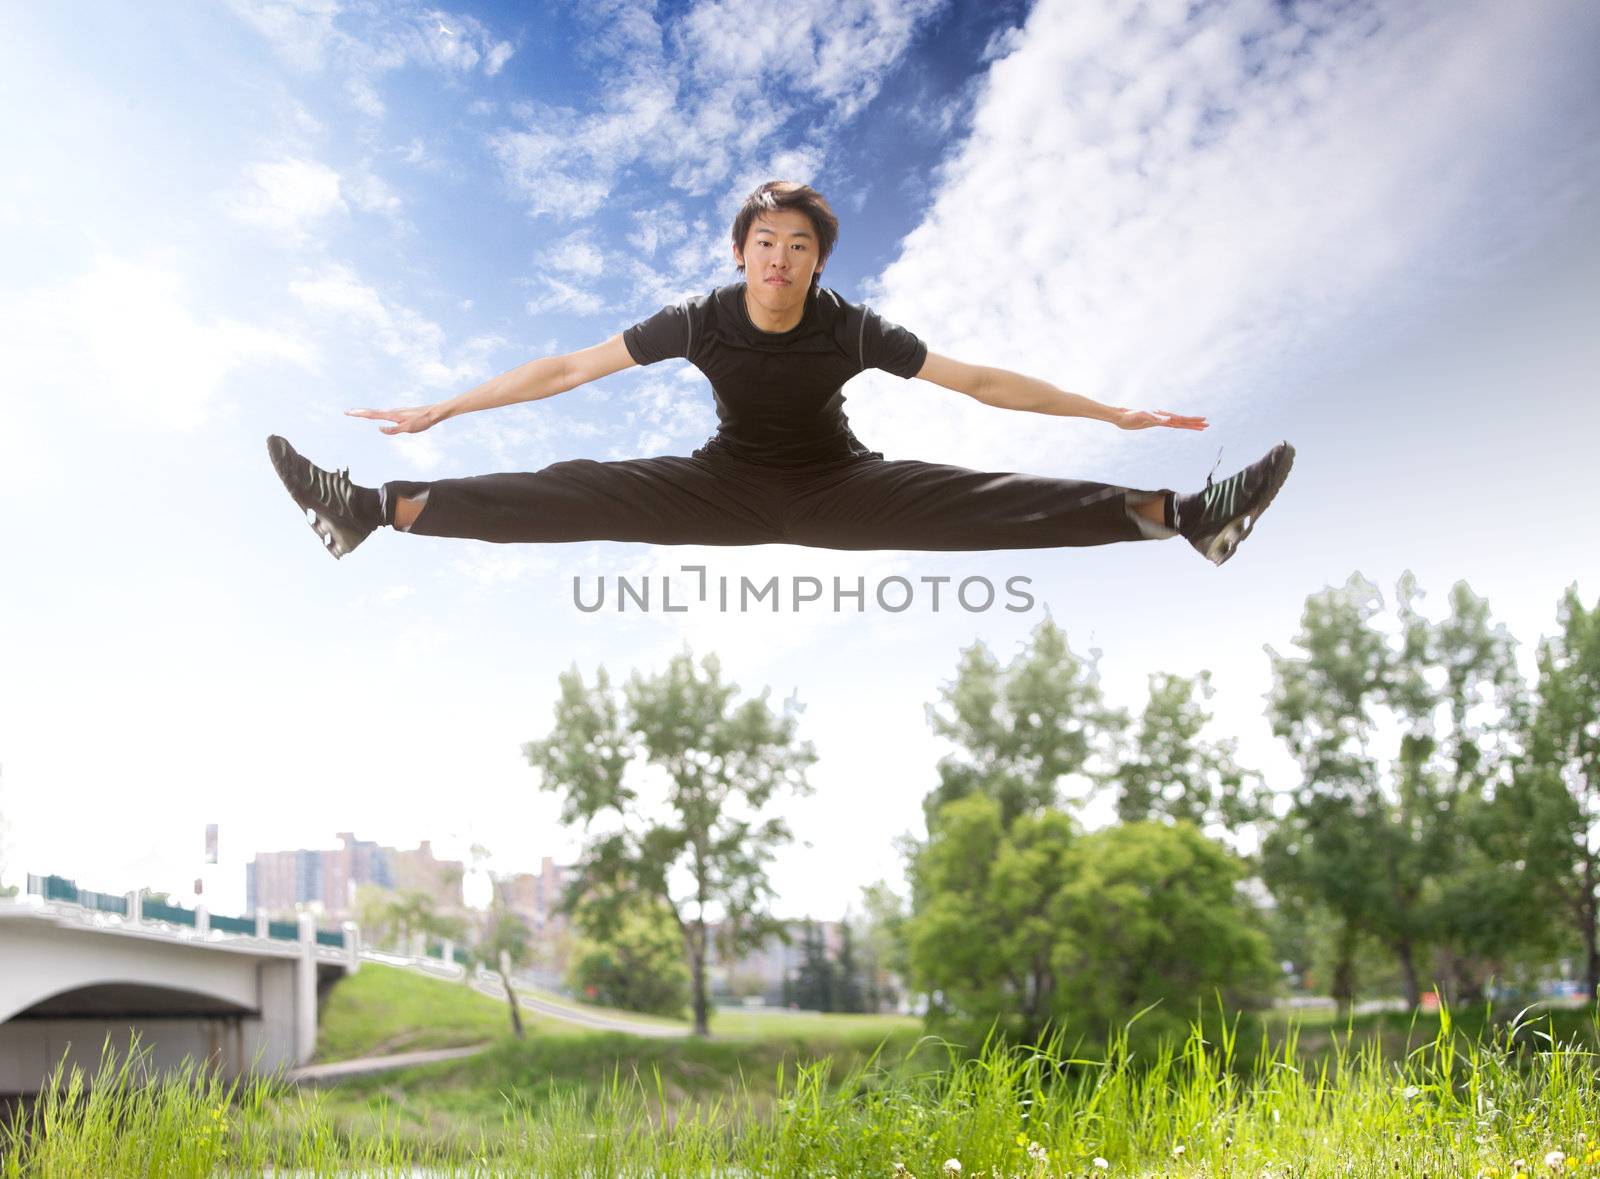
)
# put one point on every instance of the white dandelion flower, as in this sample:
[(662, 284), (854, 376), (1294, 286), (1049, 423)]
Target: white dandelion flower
[(952, 1167), (1555, 1159), (1101, 1163)]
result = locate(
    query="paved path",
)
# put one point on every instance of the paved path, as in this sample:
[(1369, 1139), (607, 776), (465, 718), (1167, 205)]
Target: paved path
[(313, 1074), (337, 1070), (531, 1000)]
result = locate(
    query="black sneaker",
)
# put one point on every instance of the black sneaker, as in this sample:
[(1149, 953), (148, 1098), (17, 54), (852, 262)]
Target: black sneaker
[(338, 511), (1220, 517)]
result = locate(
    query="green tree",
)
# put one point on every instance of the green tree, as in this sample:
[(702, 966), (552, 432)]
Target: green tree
[(1384, 843), (1041, 924), (414, 911), (498, 940), (1152, 913), (703, 850), (1023, 729), (374, 915), (883, 944), (636, 964), (1553, 804), (981, 937), (1169, 771), (390, 918), (848, 989), (501, 945), (1458, 696), (815, 982)]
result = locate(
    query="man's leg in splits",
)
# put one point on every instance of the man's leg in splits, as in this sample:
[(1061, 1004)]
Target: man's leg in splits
[(907, 504), (870, 503), (667, 500)]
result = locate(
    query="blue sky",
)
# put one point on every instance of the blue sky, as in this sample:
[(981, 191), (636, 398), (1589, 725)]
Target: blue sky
[(1370, 231)]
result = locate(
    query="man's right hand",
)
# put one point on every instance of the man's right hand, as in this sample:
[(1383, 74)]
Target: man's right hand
[(412, 420)]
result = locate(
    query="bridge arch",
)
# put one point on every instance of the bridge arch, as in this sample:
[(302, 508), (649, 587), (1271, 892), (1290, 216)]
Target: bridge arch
[(125, 997)]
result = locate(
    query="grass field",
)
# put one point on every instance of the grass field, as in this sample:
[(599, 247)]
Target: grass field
[(802, 1095), (559, 1064), (382, 1010)]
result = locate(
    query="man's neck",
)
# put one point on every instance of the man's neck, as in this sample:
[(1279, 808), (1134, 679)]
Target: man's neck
[(766, 321)]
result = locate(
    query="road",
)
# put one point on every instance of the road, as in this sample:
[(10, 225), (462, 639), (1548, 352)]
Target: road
[(532, 1000)]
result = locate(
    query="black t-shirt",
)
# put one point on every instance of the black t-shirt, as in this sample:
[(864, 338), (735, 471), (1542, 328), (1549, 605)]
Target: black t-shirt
[(779, 394)]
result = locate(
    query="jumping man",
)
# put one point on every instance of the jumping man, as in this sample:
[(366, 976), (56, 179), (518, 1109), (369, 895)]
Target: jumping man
[(784, 466)]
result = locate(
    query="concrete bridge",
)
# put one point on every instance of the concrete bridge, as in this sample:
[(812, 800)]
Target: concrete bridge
[(77, 966)]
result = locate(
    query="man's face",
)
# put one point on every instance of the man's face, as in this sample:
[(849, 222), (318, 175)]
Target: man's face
[(779, 257)]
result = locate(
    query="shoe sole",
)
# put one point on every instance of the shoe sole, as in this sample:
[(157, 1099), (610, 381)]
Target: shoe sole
[(1228, 540), (279, 451)]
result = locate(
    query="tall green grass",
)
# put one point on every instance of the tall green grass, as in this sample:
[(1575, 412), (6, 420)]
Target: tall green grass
[(1494, 1106)]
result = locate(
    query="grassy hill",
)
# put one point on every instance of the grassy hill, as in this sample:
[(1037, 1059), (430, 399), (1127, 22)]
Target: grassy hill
[(382, 1009)]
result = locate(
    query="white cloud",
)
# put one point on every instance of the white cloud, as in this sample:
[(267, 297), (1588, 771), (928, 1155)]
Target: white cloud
[(499, 54), (288, 197), (664, 412), (564, 296), (514, 437), (416, 152), (696, 97), (496, 568), (308, 34), (364, 96), (837, 52), (1150, 205), (576, 254), (700, 260), (302, 120), (408, 336), (372, 194), (655, 227), (302, 31), (125, 333), (533, 165)]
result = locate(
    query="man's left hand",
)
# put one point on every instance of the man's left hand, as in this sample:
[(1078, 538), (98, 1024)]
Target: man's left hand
[(1140, 419)]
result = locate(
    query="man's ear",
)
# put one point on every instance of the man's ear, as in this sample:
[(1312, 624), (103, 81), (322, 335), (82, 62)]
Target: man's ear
[(738, 258)]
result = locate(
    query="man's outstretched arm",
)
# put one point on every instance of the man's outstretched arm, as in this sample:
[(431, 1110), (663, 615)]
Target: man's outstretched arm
[(532, 381), (1008, 390)]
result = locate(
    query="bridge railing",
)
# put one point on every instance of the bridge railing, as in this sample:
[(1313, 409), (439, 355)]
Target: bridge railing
[(60, 890), (134, 906)]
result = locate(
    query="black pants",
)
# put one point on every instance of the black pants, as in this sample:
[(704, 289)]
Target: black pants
[(710, 498)]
